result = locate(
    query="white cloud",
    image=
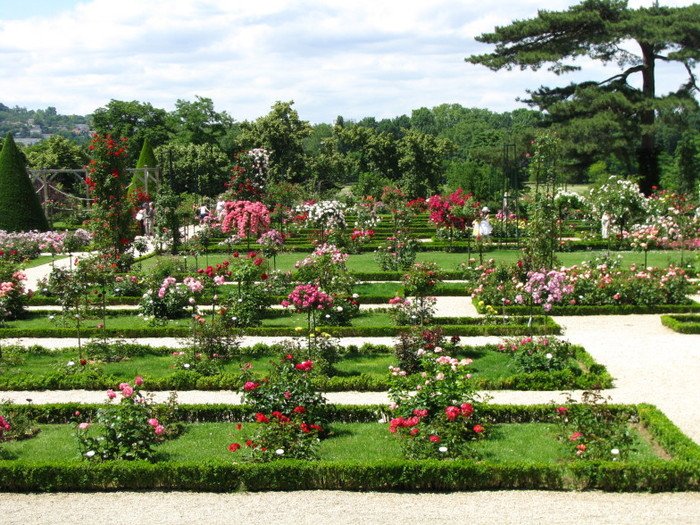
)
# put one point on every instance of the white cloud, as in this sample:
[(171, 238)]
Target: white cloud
[(354, 58)]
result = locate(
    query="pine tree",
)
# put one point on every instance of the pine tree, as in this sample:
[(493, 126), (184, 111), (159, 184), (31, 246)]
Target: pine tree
[(20, 209)]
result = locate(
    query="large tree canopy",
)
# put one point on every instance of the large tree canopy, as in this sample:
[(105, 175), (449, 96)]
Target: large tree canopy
[(602, 30)]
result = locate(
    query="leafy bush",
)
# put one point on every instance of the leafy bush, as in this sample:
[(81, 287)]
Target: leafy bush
[(127, 430), (538, 354)]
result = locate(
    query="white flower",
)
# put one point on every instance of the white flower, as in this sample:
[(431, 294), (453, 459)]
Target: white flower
[(615, 452), (279, 451), (548, 356), (442, 449), (186, 365), (339, 308), (355, 296), (52, 317), (71, 363), (89, 453)]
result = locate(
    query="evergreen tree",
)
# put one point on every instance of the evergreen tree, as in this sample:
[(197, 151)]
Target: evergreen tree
[(598, 29), (147, 159), (20, 209)]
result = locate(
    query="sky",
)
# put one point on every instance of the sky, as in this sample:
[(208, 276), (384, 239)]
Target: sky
[(354, 58)]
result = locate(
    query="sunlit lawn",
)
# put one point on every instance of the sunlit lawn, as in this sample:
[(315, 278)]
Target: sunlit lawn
[(366, 262), (357, 442)]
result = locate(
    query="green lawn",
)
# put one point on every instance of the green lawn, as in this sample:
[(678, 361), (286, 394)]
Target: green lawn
[(365, 262), (532, 443), (42, 259), (489, 366)]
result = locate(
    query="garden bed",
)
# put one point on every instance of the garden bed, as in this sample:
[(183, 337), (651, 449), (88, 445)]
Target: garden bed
[(366, 324), (685, 324), (523, 453), (606, 309), (360, 369)]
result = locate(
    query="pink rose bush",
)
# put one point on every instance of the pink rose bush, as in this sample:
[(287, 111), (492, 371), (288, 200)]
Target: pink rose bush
[(172, 299), (126, 429), (245, 218)]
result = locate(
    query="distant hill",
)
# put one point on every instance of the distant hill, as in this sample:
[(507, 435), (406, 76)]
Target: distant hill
[(29, 125)]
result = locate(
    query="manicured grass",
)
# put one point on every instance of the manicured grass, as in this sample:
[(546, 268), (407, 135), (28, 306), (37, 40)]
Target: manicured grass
[(46, 369), (42, 259), (365, 262), (533, 443)]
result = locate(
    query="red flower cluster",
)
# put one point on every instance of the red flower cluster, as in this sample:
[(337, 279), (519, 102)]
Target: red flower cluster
[(304, 366)]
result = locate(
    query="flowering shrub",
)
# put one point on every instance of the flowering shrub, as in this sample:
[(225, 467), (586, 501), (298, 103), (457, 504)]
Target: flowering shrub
[(288, 410), (452, 212), (538, 354), (439, 416), (590, 283), (421, 279), (411, 345), (12, 294), (108, 181), (621, 200), (126, 430), (172, 299), (246, 218), (412, 311), (358, 237), (399, 253), (271, 242), (22, 246), (324, 215), (309, 299), (592, 430)]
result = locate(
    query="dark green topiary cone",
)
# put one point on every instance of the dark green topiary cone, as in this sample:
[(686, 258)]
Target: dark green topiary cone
[(147, 159), (20, 209)]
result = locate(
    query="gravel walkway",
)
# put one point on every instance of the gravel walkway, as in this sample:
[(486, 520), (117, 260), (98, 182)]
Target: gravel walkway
[(320, 507)]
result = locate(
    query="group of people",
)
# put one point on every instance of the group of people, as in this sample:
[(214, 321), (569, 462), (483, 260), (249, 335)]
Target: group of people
[(145, 217), (203, 213)]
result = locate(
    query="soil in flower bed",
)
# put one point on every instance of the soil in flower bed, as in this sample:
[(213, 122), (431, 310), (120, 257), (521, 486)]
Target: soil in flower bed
[(532, 443), (41, 368)]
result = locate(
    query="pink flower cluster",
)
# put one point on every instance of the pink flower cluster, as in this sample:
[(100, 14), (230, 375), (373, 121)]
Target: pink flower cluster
[(158, 429), (546, 288), (4, 426), (193, 284), (167, 283), (306, 297), (246, 217), (271, 238), (336, 255)]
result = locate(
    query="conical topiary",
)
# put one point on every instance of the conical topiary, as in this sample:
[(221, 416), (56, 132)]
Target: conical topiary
[(20, 209), (147, 159)]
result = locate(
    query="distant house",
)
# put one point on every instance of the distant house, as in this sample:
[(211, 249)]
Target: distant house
[(28, 141), (81, 129), (35, 131)]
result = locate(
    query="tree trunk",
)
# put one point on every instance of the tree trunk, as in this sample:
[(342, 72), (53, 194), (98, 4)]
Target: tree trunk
[(648, 154)]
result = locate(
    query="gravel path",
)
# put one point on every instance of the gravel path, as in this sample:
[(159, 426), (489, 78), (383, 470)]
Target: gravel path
[(339, 508)]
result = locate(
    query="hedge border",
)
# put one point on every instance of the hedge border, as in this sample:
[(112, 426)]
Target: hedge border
[(684, 324), (682, 473), (545, 326), (593, 375), (607, 309)]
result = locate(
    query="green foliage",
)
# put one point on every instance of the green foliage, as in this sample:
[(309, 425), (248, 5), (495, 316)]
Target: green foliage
[(134, 120), (20, 209), (56, 152), (420, 161), (203, 169), (593, 28), (281, 132)]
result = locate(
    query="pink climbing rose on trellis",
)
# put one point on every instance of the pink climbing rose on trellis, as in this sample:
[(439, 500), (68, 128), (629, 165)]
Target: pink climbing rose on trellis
[(246, 218)]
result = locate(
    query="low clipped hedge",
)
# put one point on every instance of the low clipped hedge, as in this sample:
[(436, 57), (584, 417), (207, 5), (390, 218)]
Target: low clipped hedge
[(606, 309), (681, 473), (685, 324), (462, 326)]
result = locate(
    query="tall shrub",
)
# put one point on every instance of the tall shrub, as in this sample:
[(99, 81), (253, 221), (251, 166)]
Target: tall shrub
[(20, 209), (112, 224)]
